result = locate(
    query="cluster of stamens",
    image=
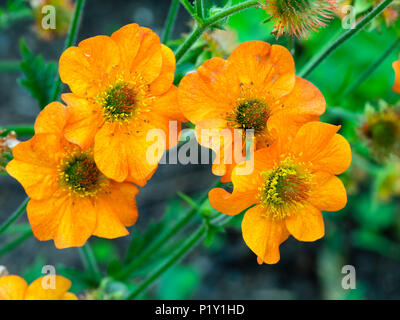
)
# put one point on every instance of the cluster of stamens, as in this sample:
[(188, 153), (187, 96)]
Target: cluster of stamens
[(286, 187), (249, 113), (124, 100), (79, 175)]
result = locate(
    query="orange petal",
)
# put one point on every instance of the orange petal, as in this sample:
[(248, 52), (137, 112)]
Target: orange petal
[(124, 196), (41, 289), (69, 296), (396, 67), (108, 223), (264, 160), (84, 67), (306, 224), (122, 152), (231, 203), (12, 288), (263, 235), (215, 134), (52, 119), (35, 165), (269, 68), (168, 106), (116, 208), (128, 38), (149, 59), (208, 93), (283, 126), (84, 121), (319, 144), (167, 75), (110, 152), (328, 193), (305, 98), (69, 221)]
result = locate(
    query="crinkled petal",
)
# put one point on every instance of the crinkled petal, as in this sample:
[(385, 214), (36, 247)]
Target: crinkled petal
[(12, 288), (42, 288), (35, 165), (68, 220), (263, 234), (85, 119), (328, 192), (318, 144), (306, 223), (269, 69), (231, 203), (52, 119), (84, 67), (168, 105), (167, 75), (210, 92)]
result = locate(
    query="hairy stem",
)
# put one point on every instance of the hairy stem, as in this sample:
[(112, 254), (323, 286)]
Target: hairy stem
[(20, 130), (170, 22), (16, 242), (14, 216), (310, 67), (365, 75), (193, 241), (147, 253), (180, 252), (90, 263), (71, 39), (202, 25)]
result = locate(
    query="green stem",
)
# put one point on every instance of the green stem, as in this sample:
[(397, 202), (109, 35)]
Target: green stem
[(90, 263), (188, 43), (200, 9), (10, 66), (188, 6), (16, 242), (146, 254), (204, 24), (71, 39), (169, 24), (184, 249), (309, 68), (364, 76), (189, 244), (20, 130), (14, 217)]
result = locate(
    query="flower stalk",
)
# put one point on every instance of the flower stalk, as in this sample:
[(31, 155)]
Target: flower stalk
[(170, 22), (324, 54), (202, 25), (14, 217), (71, 39)]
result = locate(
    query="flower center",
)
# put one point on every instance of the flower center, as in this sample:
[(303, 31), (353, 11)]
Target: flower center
[(119, 102), (250, 114), (286, 187), (79, 174), (384, 133)]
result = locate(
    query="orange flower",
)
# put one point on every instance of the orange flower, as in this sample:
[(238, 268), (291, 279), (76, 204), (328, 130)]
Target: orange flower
[(291, 183), (396, 67), (15, 288), (121, 88), (250, 90), (70, 198)]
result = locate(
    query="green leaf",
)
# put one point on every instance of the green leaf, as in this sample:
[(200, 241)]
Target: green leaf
[(38, 76)]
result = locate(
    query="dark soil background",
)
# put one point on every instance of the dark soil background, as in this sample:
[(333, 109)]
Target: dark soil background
[(228, 271)]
